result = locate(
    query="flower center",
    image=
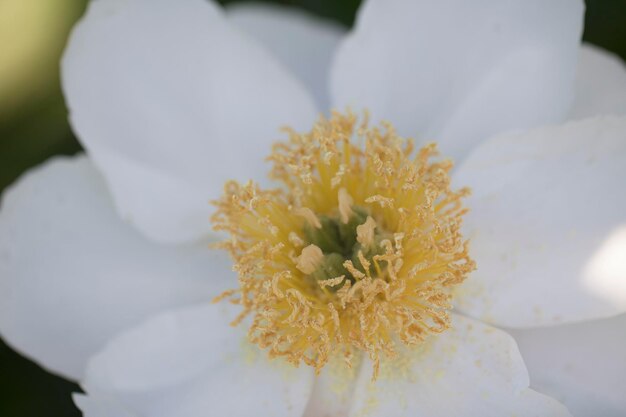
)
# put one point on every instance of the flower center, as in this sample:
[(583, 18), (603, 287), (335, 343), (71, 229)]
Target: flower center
[(356, 252), (337, 245)]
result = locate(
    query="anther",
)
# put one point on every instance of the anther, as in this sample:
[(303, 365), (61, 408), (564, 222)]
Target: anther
[(345, 205), (310, 259)]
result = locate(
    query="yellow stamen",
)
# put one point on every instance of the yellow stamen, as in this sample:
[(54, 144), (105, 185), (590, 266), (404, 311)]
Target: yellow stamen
[(382, 244), (310, 259), (365, 232), (345, 205), (310, 217)]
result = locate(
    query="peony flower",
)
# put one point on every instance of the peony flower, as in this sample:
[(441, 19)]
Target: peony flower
[(106, 277)]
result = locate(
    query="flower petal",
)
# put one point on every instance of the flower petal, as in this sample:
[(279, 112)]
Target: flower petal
[(72, 274), (547, 225), (600, 84), (100, 407), (469, 370), (333, 391), (170, 101), (192, 363), (457, 71), (302, 42), (580, 364)]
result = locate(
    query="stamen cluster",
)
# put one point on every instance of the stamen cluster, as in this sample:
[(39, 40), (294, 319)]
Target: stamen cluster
[(356, 252)]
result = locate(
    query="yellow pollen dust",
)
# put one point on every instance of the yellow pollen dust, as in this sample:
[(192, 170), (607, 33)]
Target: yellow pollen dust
[(357, 251)]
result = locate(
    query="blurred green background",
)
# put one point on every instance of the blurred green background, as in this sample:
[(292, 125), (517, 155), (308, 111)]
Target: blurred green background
[(33, 127)]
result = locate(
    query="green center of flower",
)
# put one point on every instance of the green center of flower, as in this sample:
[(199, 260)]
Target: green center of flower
[(338, 244)]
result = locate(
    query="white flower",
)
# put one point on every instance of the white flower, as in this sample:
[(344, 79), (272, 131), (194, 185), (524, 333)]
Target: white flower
[(104, 272)]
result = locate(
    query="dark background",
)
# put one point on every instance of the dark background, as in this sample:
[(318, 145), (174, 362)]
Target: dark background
[(33, 127)]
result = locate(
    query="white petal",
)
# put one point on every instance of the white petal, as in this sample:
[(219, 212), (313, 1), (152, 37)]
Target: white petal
[(192, 363), (333, 391), (302, 42), (72, 274), (583, 365), (170, 101), (470, 370), (457, 71), (600, 84), (100, 407), (547, 225)]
